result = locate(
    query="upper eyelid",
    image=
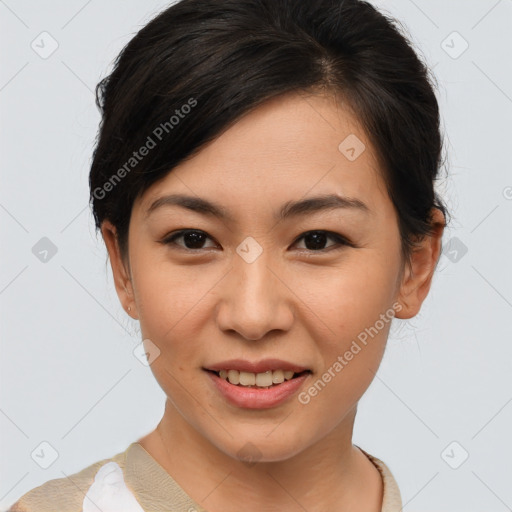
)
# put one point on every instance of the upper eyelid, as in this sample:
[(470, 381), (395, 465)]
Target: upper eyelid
[(330, 234)]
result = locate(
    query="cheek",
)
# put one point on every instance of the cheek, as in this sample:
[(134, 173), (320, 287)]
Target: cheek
[(351, 296), (172, 301), (357, 309), (354, 307), (169, 302)]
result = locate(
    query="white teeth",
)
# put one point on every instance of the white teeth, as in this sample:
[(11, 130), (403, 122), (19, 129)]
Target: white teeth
[(277, 376), (246, 378), (263, 380), (234, 376)]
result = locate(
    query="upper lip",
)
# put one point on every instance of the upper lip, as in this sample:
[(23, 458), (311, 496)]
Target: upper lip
[(256, 367)]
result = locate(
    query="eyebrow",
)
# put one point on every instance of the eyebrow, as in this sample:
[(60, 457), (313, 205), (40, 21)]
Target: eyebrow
[(288, 210)]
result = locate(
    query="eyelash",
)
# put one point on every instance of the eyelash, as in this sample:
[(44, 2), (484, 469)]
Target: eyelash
[(340, 240)]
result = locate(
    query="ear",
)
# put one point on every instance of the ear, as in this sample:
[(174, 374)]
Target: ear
[(120, 269), (417, 276)]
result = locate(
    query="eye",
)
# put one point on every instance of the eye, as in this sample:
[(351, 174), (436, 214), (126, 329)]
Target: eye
[(193, 239), (315, 241)]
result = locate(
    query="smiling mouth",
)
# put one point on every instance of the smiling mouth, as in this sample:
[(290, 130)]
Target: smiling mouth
[(264, 380)]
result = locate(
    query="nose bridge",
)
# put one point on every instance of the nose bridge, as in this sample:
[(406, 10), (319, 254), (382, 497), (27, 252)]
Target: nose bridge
[(254, 277), (251, 266), (255, 301)]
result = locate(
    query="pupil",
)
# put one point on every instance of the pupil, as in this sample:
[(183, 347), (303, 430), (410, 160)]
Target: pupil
[(194, 238), (318, 238)]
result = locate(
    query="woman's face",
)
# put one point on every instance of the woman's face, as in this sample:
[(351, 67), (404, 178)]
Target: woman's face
[(257, 284)]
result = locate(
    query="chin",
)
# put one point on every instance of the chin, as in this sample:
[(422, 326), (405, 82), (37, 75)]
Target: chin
[(258, 446)]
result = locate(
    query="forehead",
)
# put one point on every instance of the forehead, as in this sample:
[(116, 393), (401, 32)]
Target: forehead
[(292, 146)]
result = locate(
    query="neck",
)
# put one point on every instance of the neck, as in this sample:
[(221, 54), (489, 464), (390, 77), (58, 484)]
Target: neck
[(329, 474)]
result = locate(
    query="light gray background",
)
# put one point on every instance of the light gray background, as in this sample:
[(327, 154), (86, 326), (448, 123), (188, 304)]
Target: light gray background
[(68, 374)]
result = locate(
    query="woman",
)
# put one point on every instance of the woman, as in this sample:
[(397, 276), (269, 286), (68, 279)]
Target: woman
[(264, 184)]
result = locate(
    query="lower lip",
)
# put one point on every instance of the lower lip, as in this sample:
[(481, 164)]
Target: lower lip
[(254, 398)]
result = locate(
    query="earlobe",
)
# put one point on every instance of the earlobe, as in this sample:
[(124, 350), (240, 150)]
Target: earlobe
[(419, 272), (120, 270)]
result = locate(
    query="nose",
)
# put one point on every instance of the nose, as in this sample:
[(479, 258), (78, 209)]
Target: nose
[(254, 300)]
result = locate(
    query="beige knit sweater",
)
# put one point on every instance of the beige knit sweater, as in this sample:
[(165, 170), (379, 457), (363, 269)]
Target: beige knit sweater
[(152, 486)]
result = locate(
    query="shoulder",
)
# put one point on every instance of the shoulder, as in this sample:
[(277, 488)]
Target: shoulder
[(63, 494), (392, 499)]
